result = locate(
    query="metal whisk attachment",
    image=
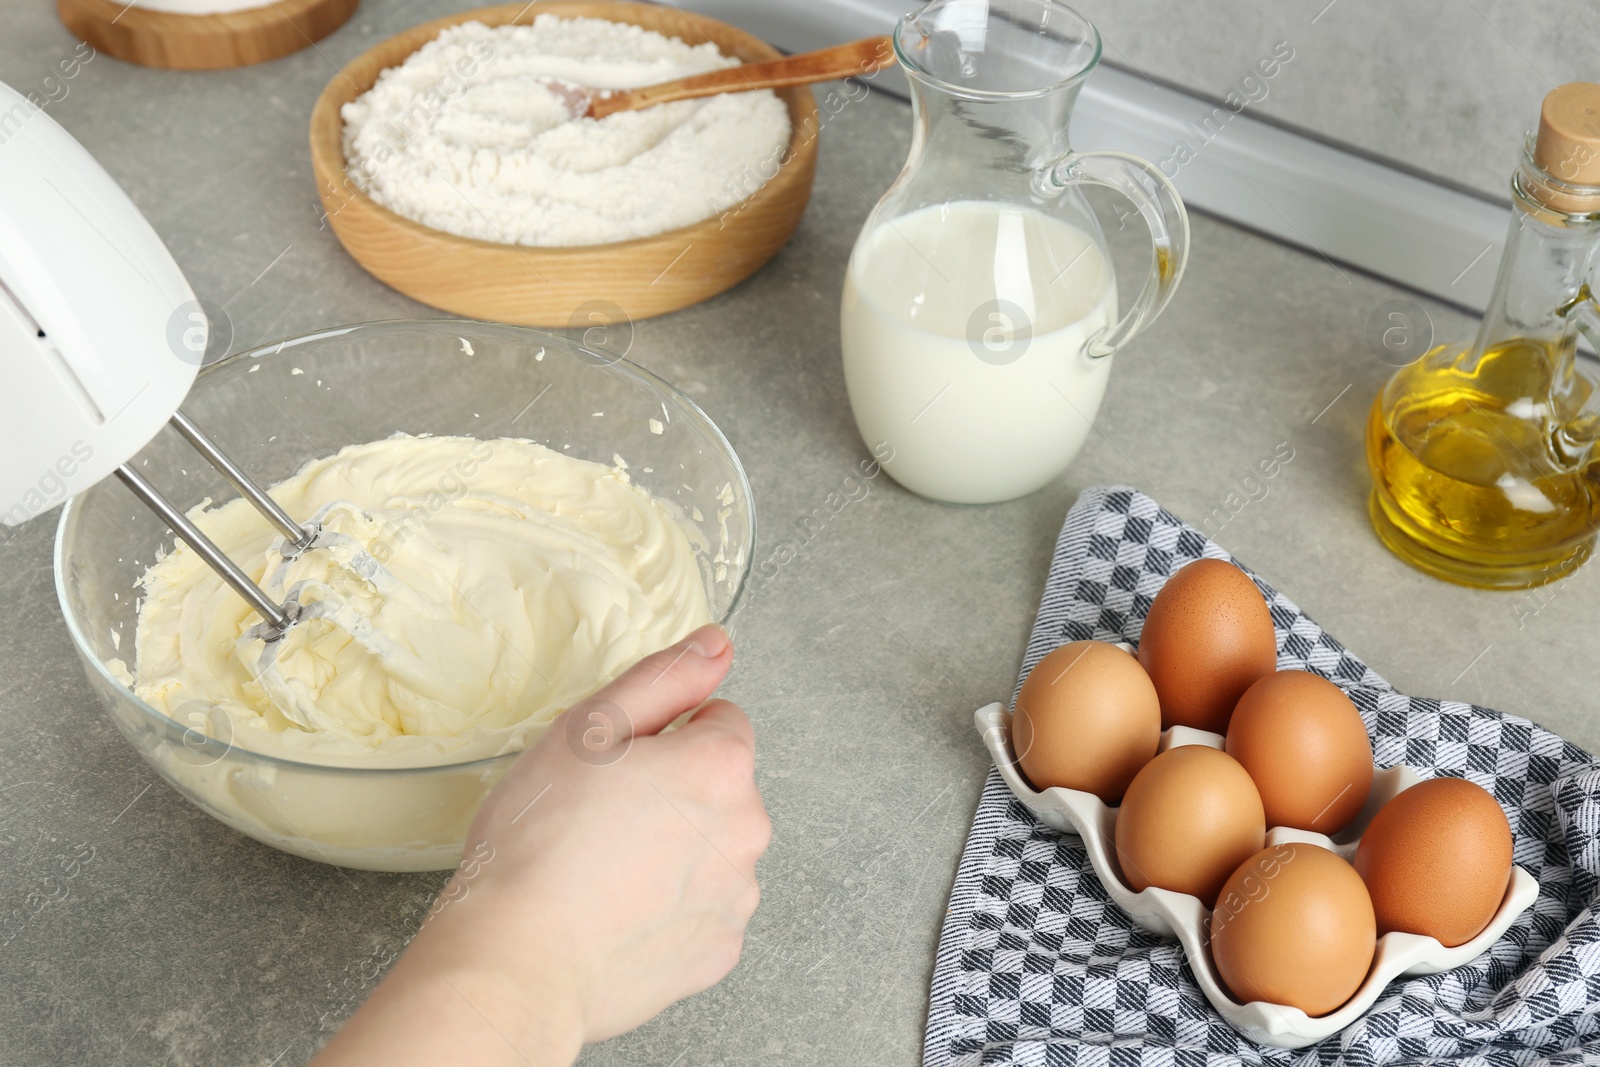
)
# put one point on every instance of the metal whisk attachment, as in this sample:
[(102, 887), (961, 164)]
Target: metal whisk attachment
[(296, 539), (296, 536)]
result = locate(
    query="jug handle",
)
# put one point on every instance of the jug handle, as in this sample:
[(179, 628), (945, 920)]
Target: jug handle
[(1153, 194)]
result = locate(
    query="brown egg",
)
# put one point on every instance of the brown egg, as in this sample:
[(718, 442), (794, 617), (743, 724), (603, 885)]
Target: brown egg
[(1087, 718), (1189, 818), (1207, 639), (1437, 859), (1305, 746), (1294, 925)]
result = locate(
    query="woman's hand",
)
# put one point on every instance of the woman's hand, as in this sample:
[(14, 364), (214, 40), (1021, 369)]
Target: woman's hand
[(609, 874)]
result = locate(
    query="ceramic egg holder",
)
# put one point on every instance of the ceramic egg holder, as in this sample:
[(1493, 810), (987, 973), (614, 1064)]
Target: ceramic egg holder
[(1167, 913)]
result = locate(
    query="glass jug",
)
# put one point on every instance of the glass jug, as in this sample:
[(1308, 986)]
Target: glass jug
[(980, 311)]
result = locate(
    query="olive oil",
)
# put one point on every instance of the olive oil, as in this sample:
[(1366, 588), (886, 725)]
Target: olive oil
[(1483, 455), (1484, 470)]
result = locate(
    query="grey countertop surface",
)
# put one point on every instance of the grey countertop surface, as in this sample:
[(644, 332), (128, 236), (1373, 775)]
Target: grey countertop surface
[(182, 942)]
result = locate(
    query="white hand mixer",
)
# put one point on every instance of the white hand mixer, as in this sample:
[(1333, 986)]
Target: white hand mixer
[(97, 351)]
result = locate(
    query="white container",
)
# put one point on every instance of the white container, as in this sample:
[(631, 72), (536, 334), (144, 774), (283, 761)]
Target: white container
[(1164, 912)]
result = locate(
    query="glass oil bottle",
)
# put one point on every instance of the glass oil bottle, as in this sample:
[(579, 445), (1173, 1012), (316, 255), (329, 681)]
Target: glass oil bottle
[(1483, 455)]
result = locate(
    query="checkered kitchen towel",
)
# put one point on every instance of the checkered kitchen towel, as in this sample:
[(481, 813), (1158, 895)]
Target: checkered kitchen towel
[(1037, 966)]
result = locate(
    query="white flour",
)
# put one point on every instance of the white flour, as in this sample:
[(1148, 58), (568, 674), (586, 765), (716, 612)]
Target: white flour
[(462, 137), (199, 7)]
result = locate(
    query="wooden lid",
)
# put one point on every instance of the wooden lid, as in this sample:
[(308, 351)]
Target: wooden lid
[(1568, 146)]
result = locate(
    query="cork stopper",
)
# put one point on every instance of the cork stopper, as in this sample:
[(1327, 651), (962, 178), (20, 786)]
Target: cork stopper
[(1568, 147)]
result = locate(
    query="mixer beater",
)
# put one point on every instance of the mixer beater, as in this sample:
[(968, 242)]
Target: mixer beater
[(306, 599), (296, 538)]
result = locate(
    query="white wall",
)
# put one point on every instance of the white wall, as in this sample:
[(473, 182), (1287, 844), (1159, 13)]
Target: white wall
[(1446, 86)]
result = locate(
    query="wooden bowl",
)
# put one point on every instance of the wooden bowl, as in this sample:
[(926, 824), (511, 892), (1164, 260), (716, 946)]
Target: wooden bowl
[(203, 42), (536, 286)]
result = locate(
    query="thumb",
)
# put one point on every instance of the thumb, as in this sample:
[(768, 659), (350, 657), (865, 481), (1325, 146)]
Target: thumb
[(668, 683)]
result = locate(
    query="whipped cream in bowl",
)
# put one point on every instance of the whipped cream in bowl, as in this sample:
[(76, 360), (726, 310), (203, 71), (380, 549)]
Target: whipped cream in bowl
[(544, 515)]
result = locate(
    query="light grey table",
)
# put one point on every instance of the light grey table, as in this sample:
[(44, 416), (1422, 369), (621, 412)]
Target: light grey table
[(181, 942)]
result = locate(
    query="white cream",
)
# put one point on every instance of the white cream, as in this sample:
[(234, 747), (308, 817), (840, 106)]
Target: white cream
[(528, 579)]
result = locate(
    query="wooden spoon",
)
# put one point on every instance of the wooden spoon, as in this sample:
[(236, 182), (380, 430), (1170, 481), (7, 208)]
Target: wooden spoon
[(841, 61)]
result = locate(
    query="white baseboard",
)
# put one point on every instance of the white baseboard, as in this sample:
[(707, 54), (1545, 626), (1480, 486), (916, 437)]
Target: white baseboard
[(1345, 207)]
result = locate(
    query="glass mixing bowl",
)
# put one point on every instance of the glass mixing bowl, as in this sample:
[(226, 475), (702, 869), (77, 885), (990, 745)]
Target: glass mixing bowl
[(282, 405)]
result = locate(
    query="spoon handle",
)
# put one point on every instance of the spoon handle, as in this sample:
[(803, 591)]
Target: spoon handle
[(840, 61)]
